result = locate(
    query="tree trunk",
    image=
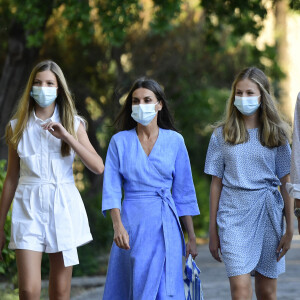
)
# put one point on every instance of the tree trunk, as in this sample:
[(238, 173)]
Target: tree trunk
[(281, 10), (17, 66)]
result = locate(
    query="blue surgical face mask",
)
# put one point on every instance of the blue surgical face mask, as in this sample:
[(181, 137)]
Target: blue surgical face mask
[(143, 113), (247, 105), (43, 96)]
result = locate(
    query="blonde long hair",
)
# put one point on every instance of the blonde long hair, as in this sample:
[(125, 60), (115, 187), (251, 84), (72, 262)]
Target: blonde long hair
[(273, 130), (64, 100)]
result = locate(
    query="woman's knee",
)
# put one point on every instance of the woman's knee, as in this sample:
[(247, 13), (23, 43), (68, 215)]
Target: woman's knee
[(241, 292), (241, 288), (30, 293), (59, 292), (266, 293), (265, 288)]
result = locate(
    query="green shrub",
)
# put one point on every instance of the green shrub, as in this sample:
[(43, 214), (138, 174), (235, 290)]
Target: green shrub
[(92, 256), (202, 187)]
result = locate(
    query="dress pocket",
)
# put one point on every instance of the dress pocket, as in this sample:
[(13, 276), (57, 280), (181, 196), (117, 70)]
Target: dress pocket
[(30, 165), (61, 166)]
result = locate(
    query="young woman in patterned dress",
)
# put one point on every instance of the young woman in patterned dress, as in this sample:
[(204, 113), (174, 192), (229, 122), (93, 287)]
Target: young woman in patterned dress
[(248, 158)]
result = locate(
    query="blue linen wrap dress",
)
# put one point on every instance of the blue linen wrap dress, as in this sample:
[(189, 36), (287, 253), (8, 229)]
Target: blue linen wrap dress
[(250, 213), (152, 268)]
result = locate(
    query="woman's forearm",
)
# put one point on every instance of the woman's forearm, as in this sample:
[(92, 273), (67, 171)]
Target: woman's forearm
[(189, 226), (9, 189), (88, 156), (288, 204), (215, 193), (10, 184), (116, 217)]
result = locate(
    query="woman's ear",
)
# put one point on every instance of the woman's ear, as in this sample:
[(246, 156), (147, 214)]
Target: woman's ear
[(159, 105)]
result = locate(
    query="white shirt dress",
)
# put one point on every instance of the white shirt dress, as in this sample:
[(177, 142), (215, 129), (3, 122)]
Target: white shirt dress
[(48, 213)]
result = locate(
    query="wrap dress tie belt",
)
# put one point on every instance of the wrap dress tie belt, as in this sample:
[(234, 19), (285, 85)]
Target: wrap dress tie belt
[(274, 206), (61, 214), (169, 212)]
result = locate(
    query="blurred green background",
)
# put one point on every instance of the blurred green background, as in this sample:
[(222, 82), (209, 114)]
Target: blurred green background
[(193, 48)]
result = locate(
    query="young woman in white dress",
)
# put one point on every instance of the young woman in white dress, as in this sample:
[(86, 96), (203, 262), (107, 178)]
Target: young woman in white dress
[(48, 213)]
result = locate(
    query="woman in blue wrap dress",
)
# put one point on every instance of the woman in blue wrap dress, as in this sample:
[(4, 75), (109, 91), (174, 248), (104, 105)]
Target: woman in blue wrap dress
[(248, 158), (149, 160)]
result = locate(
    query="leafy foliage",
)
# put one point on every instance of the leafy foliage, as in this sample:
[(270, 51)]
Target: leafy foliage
[(193, 48), (295, 4), (116, 17), (165, 10), (242, 16)]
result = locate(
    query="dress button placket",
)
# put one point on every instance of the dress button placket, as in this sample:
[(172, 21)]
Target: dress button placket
[(44, 174)]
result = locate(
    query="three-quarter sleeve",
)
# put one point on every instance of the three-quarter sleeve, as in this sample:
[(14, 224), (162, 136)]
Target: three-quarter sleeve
[(214, 163), (183, 190), (112, 183), (294, 187)]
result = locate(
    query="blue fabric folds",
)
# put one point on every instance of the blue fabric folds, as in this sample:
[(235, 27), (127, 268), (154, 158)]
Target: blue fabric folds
[(192, 282), (158, 189)]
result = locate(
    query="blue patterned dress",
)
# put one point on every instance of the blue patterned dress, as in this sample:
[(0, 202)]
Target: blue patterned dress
[(250, 213), (152, 268)]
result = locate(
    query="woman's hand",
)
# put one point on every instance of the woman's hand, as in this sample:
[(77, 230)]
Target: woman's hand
[(214, 245), (2, 243), (191, 248), (56, 129), (284, 245), (121, 237), (82, 146)]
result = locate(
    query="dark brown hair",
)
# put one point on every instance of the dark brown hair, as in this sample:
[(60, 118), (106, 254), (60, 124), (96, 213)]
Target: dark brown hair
[(124, 121)]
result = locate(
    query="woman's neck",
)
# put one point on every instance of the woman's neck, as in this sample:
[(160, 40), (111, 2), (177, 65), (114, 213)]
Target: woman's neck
[(252, 121), (147, 131), (44, 113)]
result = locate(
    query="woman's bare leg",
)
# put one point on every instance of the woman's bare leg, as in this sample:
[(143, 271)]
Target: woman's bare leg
[(60, 278), (241, 288), (29, 274), (265, 288)]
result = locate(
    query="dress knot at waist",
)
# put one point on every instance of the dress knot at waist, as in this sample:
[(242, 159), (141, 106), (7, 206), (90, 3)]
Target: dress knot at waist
[(62, 217), (271, 203)]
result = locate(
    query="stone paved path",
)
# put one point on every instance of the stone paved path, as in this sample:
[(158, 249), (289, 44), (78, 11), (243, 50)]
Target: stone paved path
[(216, 284)]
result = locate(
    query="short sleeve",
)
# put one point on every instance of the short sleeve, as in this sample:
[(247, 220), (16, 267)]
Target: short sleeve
[(112, 183), (214, 163), (183, 190), (77, 121), (283, 160)]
